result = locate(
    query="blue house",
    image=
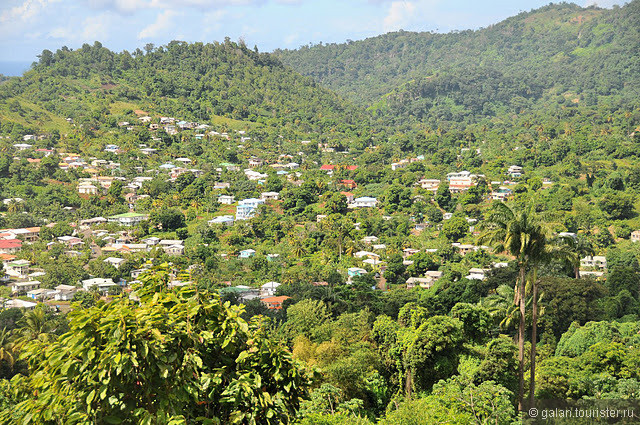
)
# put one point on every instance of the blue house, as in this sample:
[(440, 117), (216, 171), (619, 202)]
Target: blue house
[(247, 253)]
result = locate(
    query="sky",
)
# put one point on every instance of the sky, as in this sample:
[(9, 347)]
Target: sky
[(29, 26)]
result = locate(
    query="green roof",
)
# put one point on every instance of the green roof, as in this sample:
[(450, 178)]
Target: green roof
[(127, 215)]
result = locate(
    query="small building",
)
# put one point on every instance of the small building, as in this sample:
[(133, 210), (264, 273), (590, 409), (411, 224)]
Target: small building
[(10, 246), (39, 294), (430, 184), (175, 249), (115, 262), (247, 253), (87, 189), (635, 236), (246, 208), (24, 287), (27, 305), (226, 199), (365, 202), (269, 289), (224, 220), (102, 284), (128, 219), (423, 282), (64, 292), (356, 271), (370, 239), (596, 262), (477, 274), (269, 196), (275, 303), (17, 268)]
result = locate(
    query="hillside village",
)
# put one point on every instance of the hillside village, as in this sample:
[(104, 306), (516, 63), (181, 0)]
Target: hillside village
[(116, 239)]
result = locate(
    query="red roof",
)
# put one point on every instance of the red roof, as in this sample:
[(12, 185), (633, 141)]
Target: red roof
[(329, 167), (10, 243), (349, 181), (275, 303), (347, 194)]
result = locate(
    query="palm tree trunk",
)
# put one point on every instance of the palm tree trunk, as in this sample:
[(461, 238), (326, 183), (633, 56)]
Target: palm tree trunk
[(521, 300), (534, 335), (576, 270)]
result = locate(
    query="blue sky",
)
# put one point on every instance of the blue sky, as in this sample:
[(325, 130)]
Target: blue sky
[(29, 26)]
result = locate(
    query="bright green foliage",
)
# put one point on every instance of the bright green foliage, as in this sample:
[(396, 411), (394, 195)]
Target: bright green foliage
[(457, 402), (305, 317), (476, 321), (175, 356), (422, 354)]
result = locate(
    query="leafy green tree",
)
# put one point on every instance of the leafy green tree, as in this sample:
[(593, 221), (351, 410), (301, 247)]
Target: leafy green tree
[(336, 204), (168, 219), (617, 206), (443, 197), (120, 362), (304, 317), (476, 321), (455, 228)]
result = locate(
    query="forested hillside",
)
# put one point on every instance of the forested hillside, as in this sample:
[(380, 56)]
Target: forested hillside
[(196, 81), (561, 53)]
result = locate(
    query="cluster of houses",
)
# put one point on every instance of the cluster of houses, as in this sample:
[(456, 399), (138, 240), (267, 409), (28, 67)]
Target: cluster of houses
[(266, 294)]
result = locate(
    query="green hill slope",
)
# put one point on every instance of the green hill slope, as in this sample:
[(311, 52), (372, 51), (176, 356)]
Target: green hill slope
[(203, 82), (587, 55)]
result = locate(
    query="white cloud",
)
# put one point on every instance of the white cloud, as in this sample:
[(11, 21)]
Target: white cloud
[(603, 3), (63, 33), (96, 27), (163, 22), (25, 11), (400, 14)]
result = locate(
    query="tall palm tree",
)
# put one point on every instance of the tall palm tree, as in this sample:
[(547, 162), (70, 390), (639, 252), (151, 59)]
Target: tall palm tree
[(520, 234), (561, 249)]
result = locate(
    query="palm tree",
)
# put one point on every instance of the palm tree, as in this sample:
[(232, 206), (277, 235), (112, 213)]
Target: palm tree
[(6, 347), (520, 234), (35, 326), (577, 247)]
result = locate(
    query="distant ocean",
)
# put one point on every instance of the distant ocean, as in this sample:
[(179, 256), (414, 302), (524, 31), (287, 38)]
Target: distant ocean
[(13, 69)]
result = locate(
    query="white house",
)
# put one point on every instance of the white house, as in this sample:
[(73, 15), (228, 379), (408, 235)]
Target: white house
[(87, 189), (515, 171), (429, 184), (365, 202), (64, 292), (24, 287), (226, 199), (477, 273), (115, 262), (369, 239), (17, 268), (246, 208), (247, 253), (269, 289), (225, 220), (102, 284), (597, 261), (269, 196)]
